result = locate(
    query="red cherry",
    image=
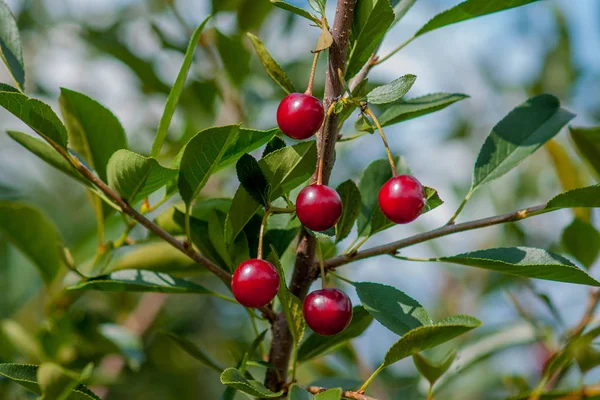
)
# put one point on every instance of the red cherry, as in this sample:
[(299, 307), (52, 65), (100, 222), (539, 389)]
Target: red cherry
[(299, 115), (318, 207), (327, 311), (255, 283), (402, 199)]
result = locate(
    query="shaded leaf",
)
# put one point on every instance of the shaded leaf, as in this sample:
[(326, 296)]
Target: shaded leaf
[(394, 309), (273, 69), (135, 177), (195, 352), (588, 196), (94, 132), (246, 141), (28, 229), (290, 304), (426, 337), (432, 370), (296, 10), (275, 144), (236, 59), (316, 345), (524, 261), (235, 379), (176, 90), (253, 179), (351, 204), (298, 393), (391, 92), (582, 241), (518, 135), (587, 141), (11, 48), (279, 240), (55, 382)]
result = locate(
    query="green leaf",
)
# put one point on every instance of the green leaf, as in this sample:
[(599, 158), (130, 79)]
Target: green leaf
[(236, 59), (401, 8), (394, 309), (290, 304), (275, 144), (201, 156), (26, 376), (316, 345), (235, 379), (391, 92), (351, 204), (426, 337), (298, 393), (94, 132), (433, 371), (524, 261), (285, 169), (372, 18), (273, 69), (11, 48), (195, 351), (582, 241), (140, 281), (519, 134), (587, 141), (55, 382), (247, 141), (296, 10), (48, 154), (176, 90), (37, 115), (28, 229), (588, 196), (468, 10), (23, 341), (331, 394), (279, 240), (216, 230), (253, 179), (134, 177), (318, 6)]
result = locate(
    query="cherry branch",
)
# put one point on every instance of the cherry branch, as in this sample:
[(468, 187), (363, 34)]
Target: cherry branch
[(346, 394), (391, 248)]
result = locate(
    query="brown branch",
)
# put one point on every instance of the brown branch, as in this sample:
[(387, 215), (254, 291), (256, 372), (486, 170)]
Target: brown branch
[(391, 248), (305, 268), (346, 394)]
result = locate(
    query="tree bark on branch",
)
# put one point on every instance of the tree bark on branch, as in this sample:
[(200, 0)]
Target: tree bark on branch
[(304, 268)]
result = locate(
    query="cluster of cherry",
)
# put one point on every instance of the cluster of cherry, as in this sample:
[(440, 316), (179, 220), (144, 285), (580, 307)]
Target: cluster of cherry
[(327, 311)]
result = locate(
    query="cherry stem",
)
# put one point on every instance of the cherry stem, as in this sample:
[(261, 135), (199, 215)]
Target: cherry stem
[(385, 143), (323, 279), (311, 80), (259, 252), (322, 144)]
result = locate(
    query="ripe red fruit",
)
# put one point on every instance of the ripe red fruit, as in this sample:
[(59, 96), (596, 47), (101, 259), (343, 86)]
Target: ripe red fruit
[(299, 115), (255, 283), (318, 207), (327, 311), (402, 199)]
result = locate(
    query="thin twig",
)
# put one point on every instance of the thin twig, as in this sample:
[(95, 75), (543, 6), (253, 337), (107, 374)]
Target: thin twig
[(345, 394)]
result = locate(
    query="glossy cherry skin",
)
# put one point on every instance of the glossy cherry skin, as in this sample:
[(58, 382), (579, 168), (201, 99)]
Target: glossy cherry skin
[(327, 311), (402, 199), (255, 283), (318, 207), (299, 115)]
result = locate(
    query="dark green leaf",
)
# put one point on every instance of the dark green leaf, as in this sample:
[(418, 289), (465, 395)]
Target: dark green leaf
[(371, 181), (26, 376), (391, 92), (37, 115), (372, 18), (582, 241), (519, 134), (11, 48), (279, 239), (275, 144), (426, 337), (431, 370), (55, 382), (524, 261), (140, 281), (236, 59), (331, 394), (391, 307), (468, 10), (316, 345), (298, 393), (94, 132), (290, 304), (351, 204), (235, 379), (48, 154), (247, 141), (296, 10), (253, 179), (432, 199), (176, 90), (194, 351), (28, 229), (273, 69), (587, 141), (588, 196), (201, 156), (134, 177)]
